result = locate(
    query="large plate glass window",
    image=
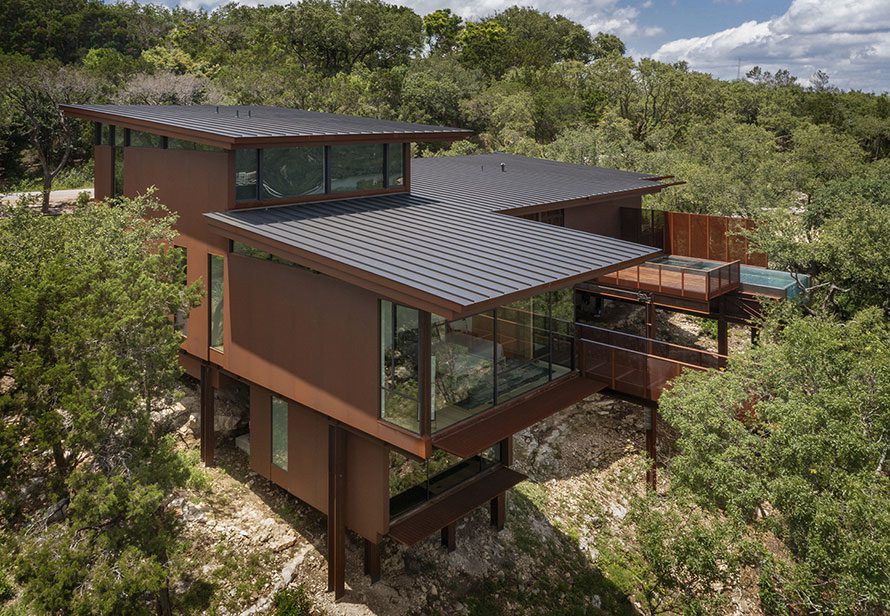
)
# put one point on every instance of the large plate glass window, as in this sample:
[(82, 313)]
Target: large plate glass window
[(487, 359), (216, 290), (279, 433), (292, 172), (399, 374), (356, 167)]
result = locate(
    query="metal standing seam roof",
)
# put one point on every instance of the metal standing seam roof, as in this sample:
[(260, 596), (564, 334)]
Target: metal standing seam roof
[(249, 124), (525, 181), (455, 251)]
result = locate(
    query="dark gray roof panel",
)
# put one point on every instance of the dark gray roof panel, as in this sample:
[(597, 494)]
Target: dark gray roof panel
[(423, 244), (525, 182), (255, 122)]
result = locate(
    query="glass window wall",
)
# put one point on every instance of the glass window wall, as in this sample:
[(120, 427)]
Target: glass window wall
[(395, 165), (246, 163), (399, 374), (279, 433), (139, 139), (292, 172), (216, 291), (356, 167), (487, 359)]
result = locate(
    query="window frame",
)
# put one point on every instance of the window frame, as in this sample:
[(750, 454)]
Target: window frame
[(221, 347)]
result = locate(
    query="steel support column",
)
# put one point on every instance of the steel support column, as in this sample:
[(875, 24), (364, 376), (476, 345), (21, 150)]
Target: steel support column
[(336, 510), (449, 536), (207, 432), (372, 560), (499, 510)]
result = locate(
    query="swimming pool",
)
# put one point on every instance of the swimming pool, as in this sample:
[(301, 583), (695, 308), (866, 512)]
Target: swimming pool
[(774, 283)]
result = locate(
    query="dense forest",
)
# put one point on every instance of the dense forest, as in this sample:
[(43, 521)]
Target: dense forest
[(781, 470)]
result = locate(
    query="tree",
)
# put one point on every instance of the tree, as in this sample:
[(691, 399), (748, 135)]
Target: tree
[(442, 28), (839, 238), (673, 557), (605, 45), (482, 45), (34, 93), (792, 439), (88, 354)]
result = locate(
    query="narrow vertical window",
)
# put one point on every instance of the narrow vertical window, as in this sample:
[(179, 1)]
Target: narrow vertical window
[(216, 290), (399, 374), (395, 164), (180, 317), (279, 433), (246, 163)]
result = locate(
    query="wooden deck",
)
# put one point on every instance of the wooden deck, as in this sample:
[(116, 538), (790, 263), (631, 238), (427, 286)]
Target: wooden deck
[(678, 281), (420, 523)]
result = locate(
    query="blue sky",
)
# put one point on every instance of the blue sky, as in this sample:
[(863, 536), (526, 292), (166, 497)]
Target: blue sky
[(848, 39)]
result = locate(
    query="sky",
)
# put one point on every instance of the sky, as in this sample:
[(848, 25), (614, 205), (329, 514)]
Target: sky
[(848, 39)]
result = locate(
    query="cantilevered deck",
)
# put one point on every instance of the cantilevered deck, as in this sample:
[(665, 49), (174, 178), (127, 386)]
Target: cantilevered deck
[(674, 276)]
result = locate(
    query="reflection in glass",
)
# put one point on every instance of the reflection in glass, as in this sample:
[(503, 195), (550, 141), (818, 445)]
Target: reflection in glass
[(215, 290), (291, 172), (487, 359), (399, 379), (463, 358), (356, 167), (524, 337), (139, 139), (279, 433), (395, 165), (246, 174)]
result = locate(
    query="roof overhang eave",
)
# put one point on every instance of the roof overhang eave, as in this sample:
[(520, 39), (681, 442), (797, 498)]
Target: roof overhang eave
[(229, 142), (399, 292), (656, 187)]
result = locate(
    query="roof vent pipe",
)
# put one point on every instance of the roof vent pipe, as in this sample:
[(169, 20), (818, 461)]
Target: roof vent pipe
[(503, 167), (217, 109), (237, 113)]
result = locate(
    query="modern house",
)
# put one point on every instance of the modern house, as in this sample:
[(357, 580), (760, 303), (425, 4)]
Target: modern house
[(378, 305)]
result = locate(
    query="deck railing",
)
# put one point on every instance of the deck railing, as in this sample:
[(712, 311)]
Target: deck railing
[(636, 365), (677, 280)]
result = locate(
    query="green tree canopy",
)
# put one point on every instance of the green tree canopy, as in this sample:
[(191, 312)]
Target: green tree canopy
[(793, 439), (88, 353)]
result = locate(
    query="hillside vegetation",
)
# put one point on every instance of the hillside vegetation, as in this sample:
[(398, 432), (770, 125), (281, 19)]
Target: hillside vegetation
[(775, 497)]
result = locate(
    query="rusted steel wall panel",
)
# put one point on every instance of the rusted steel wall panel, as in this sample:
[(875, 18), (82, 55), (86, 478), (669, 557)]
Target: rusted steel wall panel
[(103, 171), (188, 183), (306, 477), (698, 236), (603, 218), (261, 431), (711, 237), (311, 339)]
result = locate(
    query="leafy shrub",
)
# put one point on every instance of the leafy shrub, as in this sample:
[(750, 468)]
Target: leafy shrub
[(292, 602)]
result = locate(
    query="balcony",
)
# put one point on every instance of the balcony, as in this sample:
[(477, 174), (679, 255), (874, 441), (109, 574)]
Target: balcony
[(635, 365), (675, 276)]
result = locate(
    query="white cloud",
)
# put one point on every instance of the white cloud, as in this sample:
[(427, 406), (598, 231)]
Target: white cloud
[(848, 39)]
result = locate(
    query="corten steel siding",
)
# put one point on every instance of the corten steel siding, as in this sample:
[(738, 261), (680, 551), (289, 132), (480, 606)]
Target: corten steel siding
[(311, 339), (188, 183), (306, 477), (103, 170), (603, 218)]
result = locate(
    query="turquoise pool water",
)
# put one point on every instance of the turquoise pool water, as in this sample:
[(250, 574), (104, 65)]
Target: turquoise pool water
[(767, 281)]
